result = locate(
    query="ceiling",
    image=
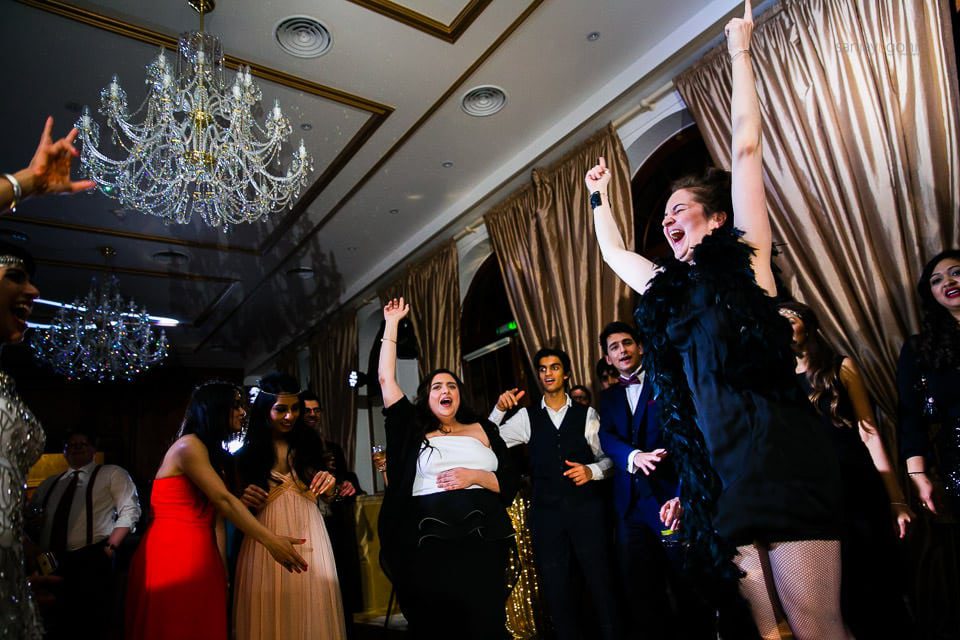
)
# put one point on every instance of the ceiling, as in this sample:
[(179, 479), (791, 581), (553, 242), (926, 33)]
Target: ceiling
[(383, 110)]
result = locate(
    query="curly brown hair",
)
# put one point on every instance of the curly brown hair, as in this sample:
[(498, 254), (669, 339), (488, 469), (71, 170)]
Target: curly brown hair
[(938, 343)]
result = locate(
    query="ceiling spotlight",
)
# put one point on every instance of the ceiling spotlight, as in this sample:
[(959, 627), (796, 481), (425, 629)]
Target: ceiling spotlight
[(304, 273), (447, 165), (593, 36), (357, 379), (171, 257), (306, 126), (394, 212)]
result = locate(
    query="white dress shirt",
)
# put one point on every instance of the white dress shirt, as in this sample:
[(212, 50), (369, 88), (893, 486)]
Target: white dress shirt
[(633, 397), (516, 431), (115, 504)]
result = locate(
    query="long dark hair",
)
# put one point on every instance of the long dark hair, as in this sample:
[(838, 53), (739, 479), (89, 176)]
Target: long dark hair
[(208, 417), (823, 363), (426, 421), (257, 457), (938, 345), (712, 190)]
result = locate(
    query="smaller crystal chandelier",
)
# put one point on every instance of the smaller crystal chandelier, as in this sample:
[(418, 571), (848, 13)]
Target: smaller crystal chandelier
[(194, 146), (101, 339)]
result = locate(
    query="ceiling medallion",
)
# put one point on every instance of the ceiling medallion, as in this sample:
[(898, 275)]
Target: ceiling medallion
[(194, 146), (101, 339)]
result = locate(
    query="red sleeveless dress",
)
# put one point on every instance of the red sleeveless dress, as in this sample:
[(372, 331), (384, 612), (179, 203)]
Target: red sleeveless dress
[(178, 586)]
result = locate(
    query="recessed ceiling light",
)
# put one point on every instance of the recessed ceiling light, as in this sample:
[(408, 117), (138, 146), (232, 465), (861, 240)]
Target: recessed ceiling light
[(171, 257), (414, 196), (394, 212), (483, 101), (306, 126), (304, 273), (303, 37), (593, 36), (447, 165)]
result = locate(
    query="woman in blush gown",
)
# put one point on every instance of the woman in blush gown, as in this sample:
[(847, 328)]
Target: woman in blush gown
[(177, 588), (281, 464)]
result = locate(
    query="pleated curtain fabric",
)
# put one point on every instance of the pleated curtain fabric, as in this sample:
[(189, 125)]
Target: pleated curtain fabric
[(861, 150), (560, 290), (432, 288), (333, 355)]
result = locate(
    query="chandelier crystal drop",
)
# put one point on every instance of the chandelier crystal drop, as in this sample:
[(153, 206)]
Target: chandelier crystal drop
[(194, 145), (102, 338)]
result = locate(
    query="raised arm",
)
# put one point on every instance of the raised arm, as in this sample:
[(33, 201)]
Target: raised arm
[(191, 456), (749, 200), (48, 171), (393, 312), (631, 267)]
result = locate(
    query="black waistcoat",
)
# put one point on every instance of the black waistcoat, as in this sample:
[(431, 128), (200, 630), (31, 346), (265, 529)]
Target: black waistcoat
[(549, 447)]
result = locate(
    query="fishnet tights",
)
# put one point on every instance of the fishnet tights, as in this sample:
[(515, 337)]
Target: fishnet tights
[(806, 575)]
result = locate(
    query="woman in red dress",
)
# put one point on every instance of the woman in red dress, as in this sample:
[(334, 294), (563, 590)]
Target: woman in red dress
[(178, 581)]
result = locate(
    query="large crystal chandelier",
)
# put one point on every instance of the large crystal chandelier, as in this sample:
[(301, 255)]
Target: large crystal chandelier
[(101, 338), (194, 145)]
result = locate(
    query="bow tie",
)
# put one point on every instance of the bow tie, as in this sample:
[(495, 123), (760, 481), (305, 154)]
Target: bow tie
[(632, 380)]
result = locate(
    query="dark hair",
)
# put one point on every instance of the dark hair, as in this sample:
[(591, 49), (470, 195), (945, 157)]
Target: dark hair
[(257, 457), (208, 417), (81, 430), (10, 249), (712, 190), (426, 421), (604, 368), (823, 363), (609, 330), (547, 352), (308, 394), (580, 387), (938, 344)]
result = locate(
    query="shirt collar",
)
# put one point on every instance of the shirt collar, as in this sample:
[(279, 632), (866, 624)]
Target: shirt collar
[(85, 469), (566, 405)]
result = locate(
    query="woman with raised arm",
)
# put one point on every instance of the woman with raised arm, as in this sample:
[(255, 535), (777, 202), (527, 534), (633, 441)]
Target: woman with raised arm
[(283, 471), (444, 529), (875, 513), (759, 485), (177, 588)]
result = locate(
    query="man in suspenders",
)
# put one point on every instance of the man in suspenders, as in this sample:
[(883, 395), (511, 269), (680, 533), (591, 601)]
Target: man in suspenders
[(87, 511)]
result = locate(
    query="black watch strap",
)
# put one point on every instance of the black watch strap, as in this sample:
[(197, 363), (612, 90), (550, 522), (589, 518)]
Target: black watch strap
[(595, 200)]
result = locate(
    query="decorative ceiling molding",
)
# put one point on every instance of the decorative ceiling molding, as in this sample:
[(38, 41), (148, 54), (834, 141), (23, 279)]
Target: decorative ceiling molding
[(449, 32), (378, 112), (134, 271), (458, 83)]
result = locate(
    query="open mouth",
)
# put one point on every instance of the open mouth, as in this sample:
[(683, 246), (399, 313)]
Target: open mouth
[(446, 402), (952, 292), (676, 235), (21, 311), (549, 380)]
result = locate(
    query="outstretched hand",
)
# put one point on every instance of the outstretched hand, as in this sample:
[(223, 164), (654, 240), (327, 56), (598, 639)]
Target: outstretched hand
[(598, 177), (509, 399), (739, 31), (395, 310), (50, 166)]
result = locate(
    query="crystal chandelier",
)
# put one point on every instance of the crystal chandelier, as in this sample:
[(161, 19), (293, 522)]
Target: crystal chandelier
[(102, 339), (194, 146)]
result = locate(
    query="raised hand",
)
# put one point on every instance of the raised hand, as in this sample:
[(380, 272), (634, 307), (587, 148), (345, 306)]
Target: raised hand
[(254, 497), (50, 166), (739, 31), (598, 177), (509, 399), (395, 310)]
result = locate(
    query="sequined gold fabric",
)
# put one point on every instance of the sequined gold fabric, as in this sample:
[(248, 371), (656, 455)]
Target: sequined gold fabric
[(523, 605), (21, 443)]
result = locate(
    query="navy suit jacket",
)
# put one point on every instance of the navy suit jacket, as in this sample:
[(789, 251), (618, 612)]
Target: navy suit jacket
[(636, 496)]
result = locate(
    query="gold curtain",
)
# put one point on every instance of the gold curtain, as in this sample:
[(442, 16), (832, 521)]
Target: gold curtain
[(861, 147), (333, 355), (432, 287), (560, 290)]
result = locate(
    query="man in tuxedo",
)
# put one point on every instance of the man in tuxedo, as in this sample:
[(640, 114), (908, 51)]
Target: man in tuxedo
[(568, 529), (645, 496)]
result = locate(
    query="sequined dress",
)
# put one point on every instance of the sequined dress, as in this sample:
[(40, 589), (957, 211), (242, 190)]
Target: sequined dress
[(21, 443)]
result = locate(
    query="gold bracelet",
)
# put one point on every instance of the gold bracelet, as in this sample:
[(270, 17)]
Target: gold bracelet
[(739, 53), (388, 340)]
